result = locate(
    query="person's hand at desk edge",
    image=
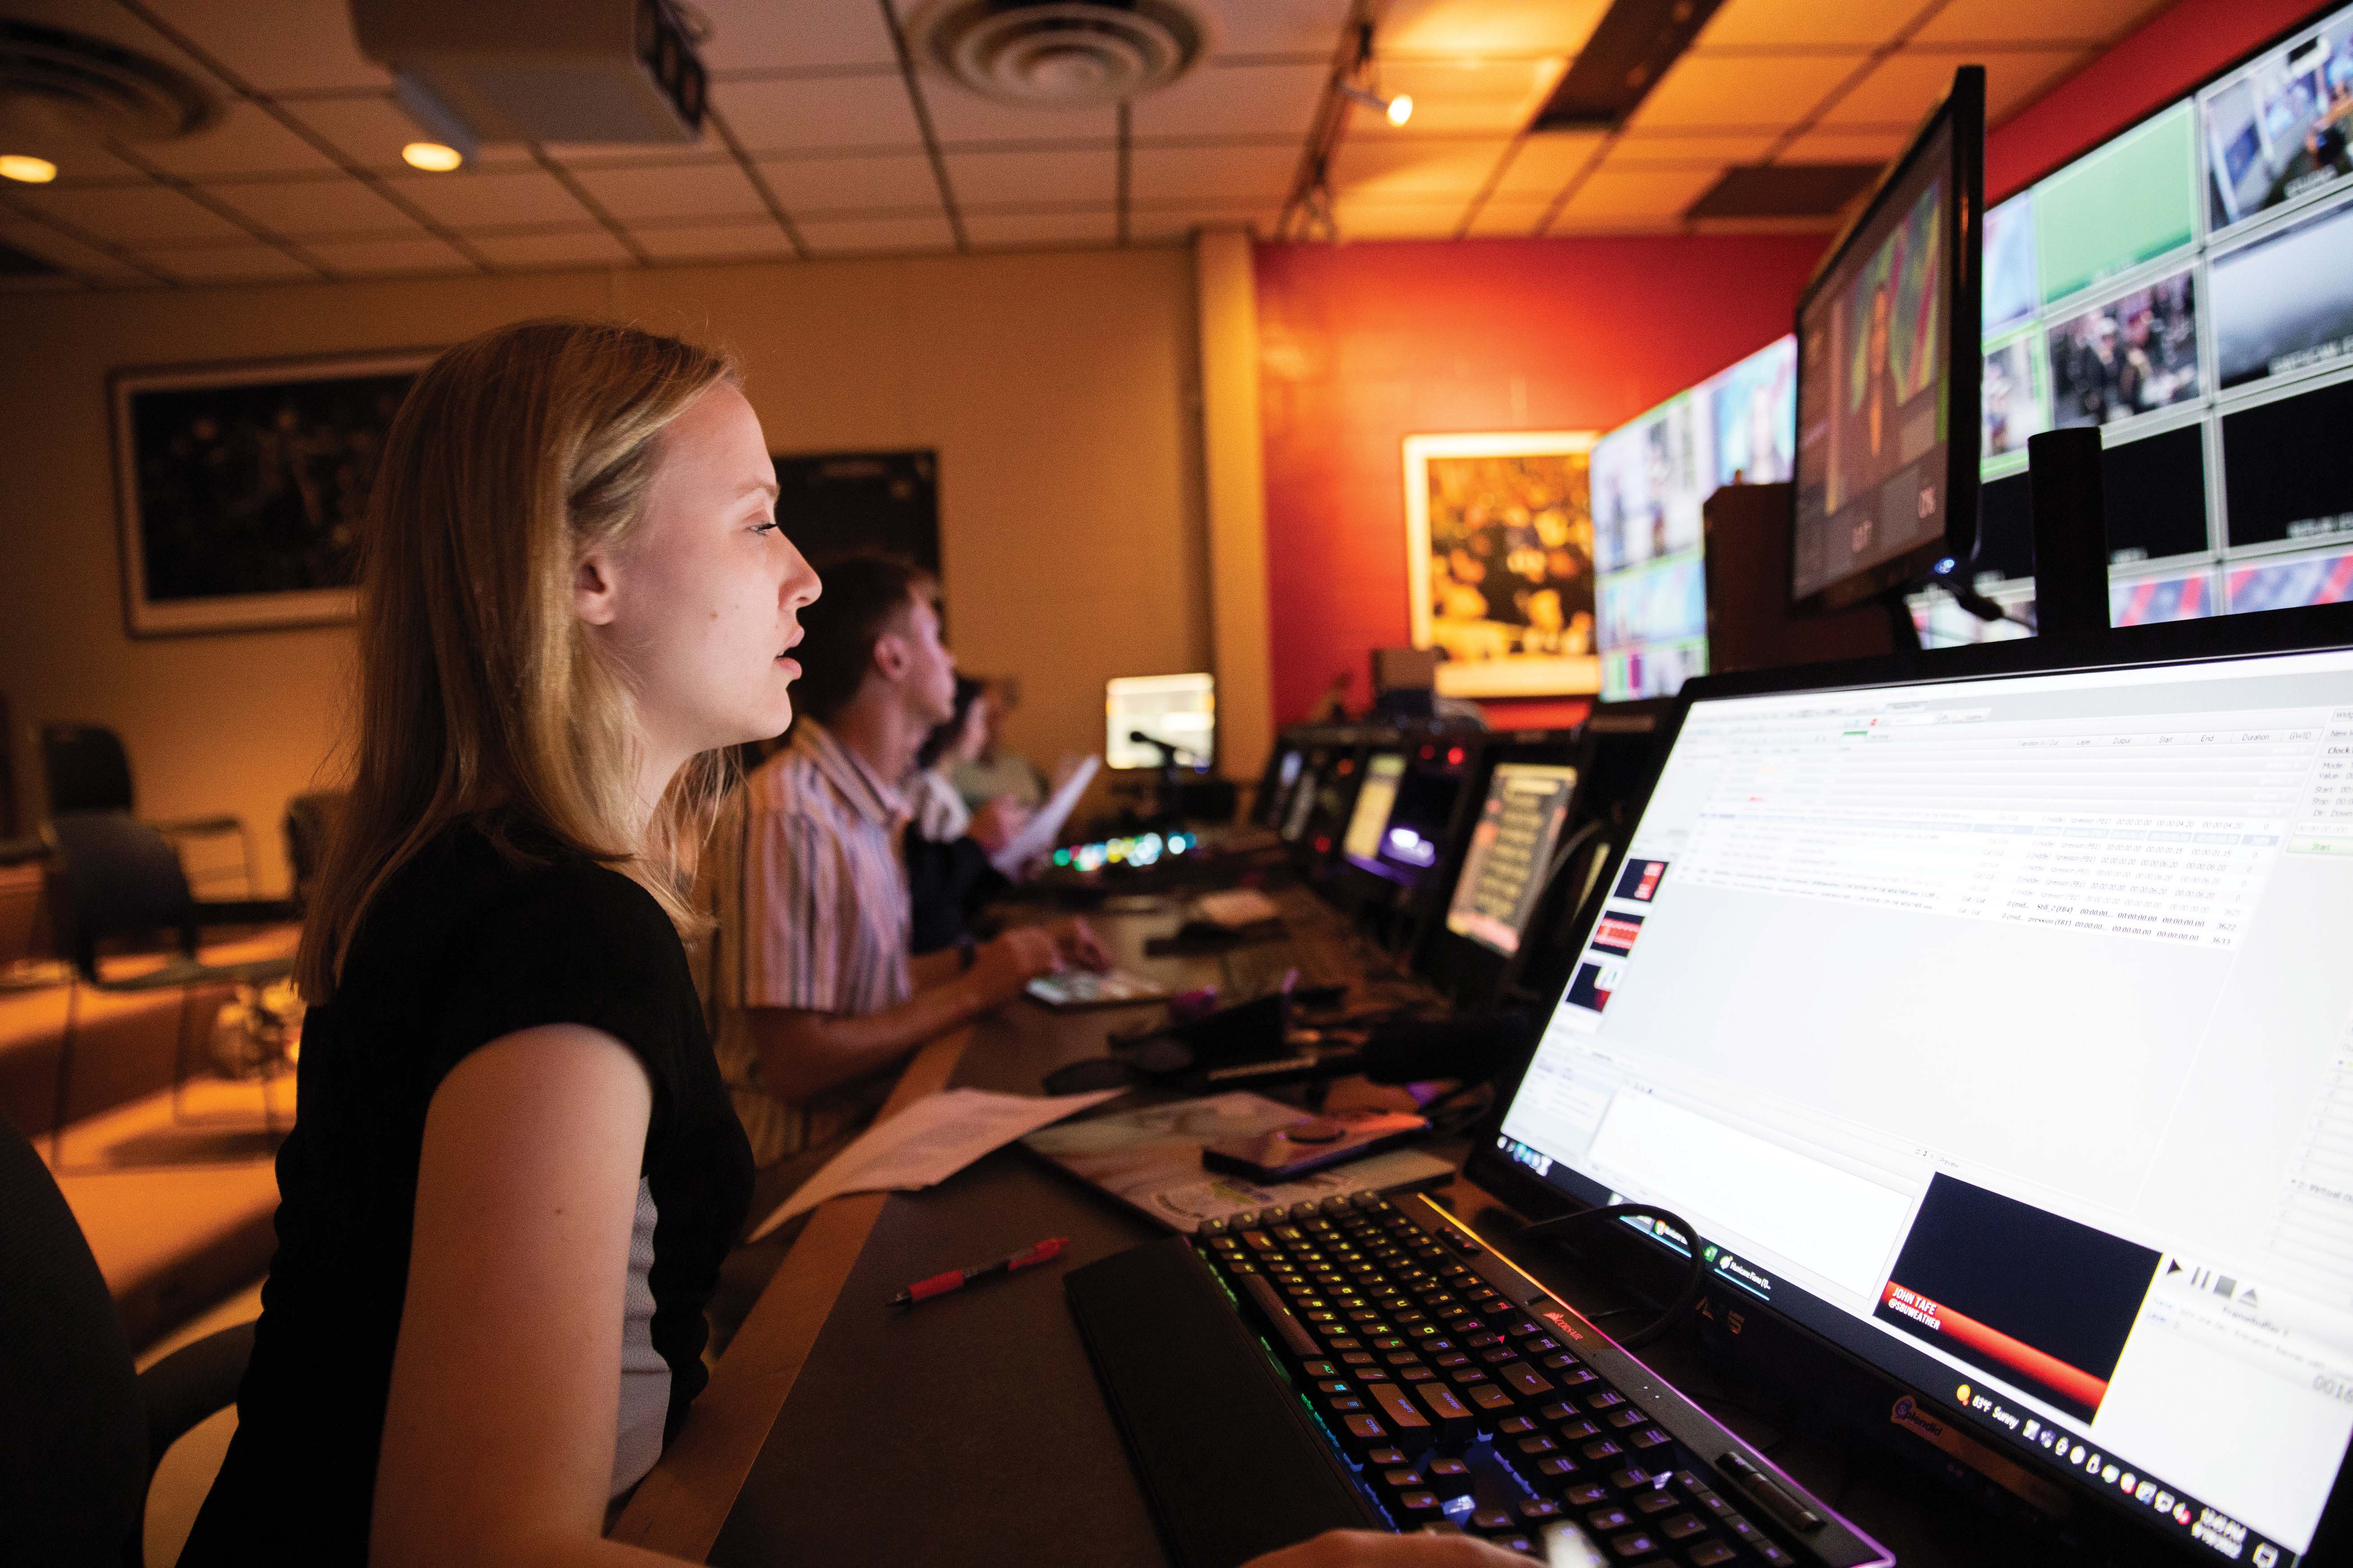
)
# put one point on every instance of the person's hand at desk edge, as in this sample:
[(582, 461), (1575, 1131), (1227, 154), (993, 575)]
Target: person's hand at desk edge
[(1001, 967), (1371, 1549)]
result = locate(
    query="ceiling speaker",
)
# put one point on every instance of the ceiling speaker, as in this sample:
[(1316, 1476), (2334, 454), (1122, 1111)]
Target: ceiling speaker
[(1060, 54)]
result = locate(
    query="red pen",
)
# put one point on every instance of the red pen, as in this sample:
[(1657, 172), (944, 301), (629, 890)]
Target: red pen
[(957, 1279)]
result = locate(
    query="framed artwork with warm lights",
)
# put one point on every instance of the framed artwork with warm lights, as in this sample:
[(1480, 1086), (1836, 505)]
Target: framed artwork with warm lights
[(240, 487), (1499, 561)]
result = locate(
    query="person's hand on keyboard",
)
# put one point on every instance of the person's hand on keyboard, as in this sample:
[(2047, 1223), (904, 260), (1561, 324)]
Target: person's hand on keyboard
[(1371, 1549), (1079, 946), (1003, 965)]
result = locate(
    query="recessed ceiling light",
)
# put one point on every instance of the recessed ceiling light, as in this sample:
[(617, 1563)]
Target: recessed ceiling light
[(431, 156), (29, 171)]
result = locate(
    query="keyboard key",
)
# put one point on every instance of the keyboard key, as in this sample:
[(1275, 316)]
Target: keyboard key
[(1342, 1403), (1577, 1431), (1453, 1417), (1650, 1437), (1651, 1502), (1449, 1477), (1516, 1426), (1486, 1398), (1384, 1457), (1633, 1544), (1585, 1494), (1708, 1554), (1629, 1416), (1534, 1447), (1319, 1369), (1401, 1479), (1415, 1373), (1492, 1521), (1602, 1520), (1524, 1379), (1536, 1510), (1554, 1469), (1412, 1426), (1608, 1398), (1682, 1527), (1360, 1433), (1603, 1449)]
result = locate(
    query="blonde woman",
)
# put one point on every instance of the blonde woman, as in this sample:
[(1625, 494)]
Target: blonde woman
[(516, 1168)]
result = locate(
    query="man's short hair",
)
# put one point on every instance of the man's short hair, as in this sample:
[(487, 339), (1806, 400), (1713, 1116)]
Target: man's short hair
[(866, 594)]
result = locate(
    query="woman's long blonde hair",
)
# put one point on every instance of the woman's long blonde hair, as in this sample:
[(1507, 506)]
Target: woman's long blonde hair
[(481, 695)]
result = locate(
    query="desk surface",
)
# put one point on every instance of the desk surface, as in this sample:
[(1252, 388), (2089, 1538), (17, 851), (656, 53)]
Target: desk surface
[(836, 1429)]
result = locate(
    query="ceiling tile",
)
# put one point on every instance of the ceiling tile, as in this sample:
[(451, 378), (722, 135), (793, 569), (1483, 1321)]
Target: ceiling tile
[(1378, 170), (1907, 85), (828, 111), (360, 257), (245, 141), (1733, 91), (1002, 229), (1233, 100), (225, 263), (765, 34), (2017, 22), (277, 46), (853, 236), (336, 204), (40, 240), (681, 192), (1484, 27), (1510, 217), (1786, 24), (958, 114), (690, 241), (370, 131), (1845, 146), (1176, 223), (1652, 197), (568, 247), (1397, 220), (859, 183), (1663, 147), (1278, 26), (84, 162), (1262, 174), (1471, 94), (1040, 177), (1545, 164), (136, 215), (468, 198)]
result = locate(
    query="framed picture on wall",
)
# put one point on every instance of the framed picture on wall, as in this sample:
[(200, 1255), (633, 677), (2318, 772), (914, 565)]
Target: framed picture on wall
[(240, 488), (1499, 561)]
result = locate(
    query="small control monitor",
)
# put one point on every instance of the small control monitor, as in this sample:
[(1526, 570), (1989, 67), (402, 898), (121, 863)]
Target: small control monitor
[(1998, 1031), (1888, 333), (1416, 802), (1511, 849), (1179, 712)]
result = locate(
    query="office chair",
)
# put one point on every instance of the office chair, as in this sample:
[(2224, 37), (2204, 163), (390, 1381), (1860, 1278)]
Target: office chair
[(81, 1431), (86, 769), (117, 875)]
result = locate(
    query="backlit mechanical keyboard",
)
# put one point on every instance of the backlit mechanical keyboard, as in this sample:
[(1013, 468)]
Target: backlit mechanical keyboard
[(1450, 1390)]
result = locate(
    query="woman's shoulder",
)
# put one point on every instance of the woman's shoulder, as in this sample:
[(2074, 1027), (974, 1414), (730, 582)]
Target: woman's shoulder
[(495, 887)]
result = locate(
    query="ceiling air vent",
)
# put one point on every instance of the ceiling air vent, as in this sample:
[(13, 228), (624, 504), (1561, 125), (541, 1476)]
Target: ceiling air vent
[(1060, 54), (56, 84)]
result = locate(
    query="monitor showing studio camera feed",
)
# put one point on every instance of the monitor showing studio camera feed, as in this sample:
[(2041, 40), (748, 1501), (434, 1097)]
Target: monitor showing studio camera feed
[(1888, 376)]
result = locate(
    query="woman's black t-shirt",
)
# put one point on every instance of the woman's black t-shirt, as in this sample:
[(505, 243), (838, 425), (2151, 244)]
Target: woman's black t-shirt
[(462, 946)]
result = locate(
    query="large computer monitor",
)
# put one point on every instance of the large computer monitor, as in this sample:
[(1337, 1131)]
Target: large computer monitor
[(2182, 286), (1650, 479), (1996, 1033), (1180, 710), (1888, 376)]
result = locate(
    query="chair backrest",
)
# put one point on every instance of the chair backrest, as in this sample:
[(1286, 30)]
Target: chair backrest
[(86, 768), (73, 1423), (116, 874), (311, 824)]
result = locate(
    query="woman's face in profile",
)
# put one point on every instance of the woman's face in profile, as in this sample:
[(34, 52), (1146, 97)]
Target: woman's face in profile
[(707, 592)]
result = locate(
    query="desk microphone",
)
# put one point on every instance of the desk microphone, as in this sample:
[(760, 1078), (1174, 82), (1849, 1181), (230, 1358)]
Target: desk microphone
[(1168, 753)]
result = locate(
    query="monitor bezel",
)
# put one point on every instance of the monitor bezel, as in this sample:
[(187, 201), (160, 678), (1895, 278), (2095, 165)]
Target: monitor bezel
[(1268, 799), (1217, 748), (1963, 111), (2257, 633)]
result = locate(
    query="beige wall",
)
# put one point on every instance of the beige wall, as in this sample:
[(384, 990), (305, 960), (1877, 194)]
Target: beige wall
[(1058, 387)]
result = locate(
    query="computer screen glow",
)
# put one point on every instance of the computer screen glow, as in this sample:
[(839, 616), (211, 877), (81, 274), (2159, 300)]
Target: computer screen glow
[(1370, 816), (1181, 709), (2001, 1032)]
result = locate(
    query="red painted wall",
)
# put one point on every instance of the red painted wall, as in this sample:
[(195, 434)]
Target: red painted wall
[(1360, 345)]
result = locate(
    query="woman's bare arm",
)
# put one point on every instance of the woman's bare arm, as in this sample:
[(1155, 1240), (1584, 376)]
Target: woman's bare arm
[(498, 1438)]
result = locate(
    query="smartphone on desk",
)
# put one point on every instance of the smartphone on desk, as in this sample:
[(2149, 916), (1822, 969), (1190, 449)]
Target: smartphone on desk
[(1074, 988), (1311, 1143)]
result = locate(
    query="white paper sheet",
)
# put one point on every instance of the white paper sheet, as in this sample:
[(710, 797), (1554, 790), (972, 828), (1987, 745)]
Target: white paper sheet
[(1037, 835), (929, 1142)]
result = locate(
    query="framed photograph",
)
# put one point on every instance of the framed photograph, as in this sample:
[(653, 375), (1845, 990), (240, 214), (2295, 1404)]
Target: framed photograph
[(241, 488), (1499, 560)]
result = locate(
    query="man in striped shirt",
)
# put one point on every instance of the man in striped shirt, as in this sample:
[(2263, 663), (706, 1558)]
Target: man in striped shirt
[(817, 999)]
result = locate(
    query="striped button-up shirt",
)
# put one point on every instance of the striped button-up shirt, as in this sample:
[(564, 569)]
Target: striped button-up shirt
[(810, 890)]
